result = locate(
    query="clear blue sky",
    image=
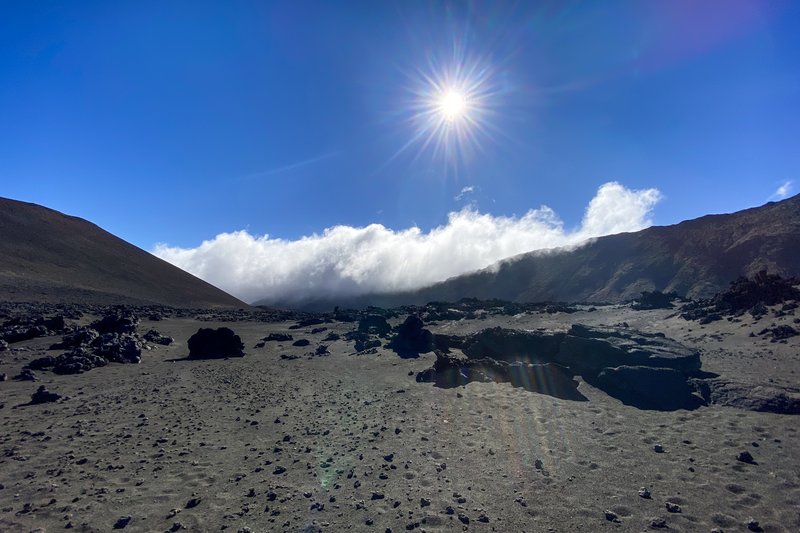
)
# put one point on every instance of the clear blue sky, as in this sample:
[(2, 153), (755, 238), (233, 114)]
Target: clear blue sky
[(170, 121)]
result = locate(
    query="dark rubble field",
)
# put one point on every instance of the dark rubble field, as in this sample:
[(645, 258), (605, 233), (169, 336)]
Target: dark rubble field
[(303, 438)]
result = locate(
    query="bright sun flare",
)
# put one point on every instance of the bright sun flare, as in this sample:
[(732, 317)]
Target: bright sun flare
[(453, 105), (451, 108)]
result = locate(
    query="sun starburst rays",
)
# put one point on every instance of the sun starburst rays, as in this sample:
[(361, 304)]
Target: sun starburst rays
[(450, 109)]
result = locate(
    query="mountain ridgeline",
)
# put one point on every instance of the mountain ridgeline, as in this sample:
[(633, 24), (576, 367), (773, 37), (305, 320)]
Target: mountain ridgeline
[(696, 258), (46, 256)]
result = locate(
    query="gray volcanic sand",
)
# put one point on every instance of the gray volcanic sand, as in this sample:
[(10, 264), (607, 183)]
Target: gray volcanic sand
[(352, 442)]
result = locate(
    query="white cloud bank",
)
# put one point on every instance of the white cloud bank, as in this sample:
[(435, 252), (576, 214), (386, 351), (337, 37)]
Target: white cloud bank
[(346, 261)]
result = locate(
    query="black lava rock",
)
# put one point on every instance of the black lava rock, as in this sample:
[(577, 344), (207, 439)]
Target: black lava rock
[(412, 338), (217, 343), (42, 395)]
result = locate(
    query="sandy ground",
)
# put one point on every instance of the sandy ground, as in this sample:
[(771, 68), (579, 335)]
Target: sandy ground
[(353, 443)]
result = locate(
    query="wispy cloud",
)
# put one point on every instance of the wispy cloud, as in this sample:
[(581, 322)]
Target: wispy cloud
[(291, 166), (784, 191), (349, 261), (465, 191)]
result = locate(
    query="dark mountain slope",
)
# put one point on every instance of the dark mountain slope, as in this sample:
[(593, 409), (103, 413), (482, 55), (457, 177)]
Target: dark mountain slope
[(696, 258), (47, 256)]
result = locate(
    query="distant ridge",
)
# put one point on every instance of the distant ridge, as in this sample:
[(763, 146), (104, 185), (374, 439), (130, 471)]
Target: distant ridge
[(696, 258), (46, 256)]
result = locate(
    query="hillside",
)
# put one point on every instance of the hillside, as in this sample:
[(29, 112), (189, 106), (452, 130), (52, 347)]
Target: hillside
[(696, 258), (46, 256)]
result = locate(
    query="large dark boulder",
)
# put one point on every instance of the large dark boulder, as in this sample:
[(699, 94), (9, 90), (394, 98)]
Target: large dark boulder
[(590, 349), (217, 343), (412, 338), (374, 325), (663, 389), (513, 345)]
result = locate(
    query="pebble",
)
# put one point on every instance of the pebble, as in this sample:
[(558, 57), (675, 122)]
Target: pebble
[(658, 523), (753, 525), (673, 507), (658, 448), (745, 457), (644, 493), (194, 502), (611, 516), (122, 522)]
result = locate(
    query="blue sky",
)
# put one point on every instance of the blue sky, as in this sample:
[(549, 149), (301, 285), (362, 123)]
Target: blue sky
[(172, 122)]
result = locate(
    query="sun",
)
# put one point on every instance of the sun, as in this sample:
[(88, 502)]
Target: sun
[(453, 105)]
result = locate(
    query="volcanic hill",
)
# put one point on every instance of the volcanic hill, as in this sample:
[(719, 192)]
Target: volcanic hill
[(47, 256)]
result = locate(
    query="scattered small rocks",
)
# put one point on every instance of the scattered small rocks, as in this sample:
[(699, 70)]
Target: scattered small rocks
[(278, 337)]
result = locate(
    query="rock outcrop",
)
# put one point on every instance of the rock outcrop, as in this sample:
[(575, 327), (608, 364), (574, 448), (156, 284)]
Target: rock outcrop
[(753, 397), (664, 389), (645, 370), (548, 378)]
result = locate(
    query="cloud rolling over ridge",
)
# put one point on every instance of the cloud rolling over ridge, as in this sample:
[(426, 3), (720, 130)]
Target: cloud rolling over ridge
[(345, 261)]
